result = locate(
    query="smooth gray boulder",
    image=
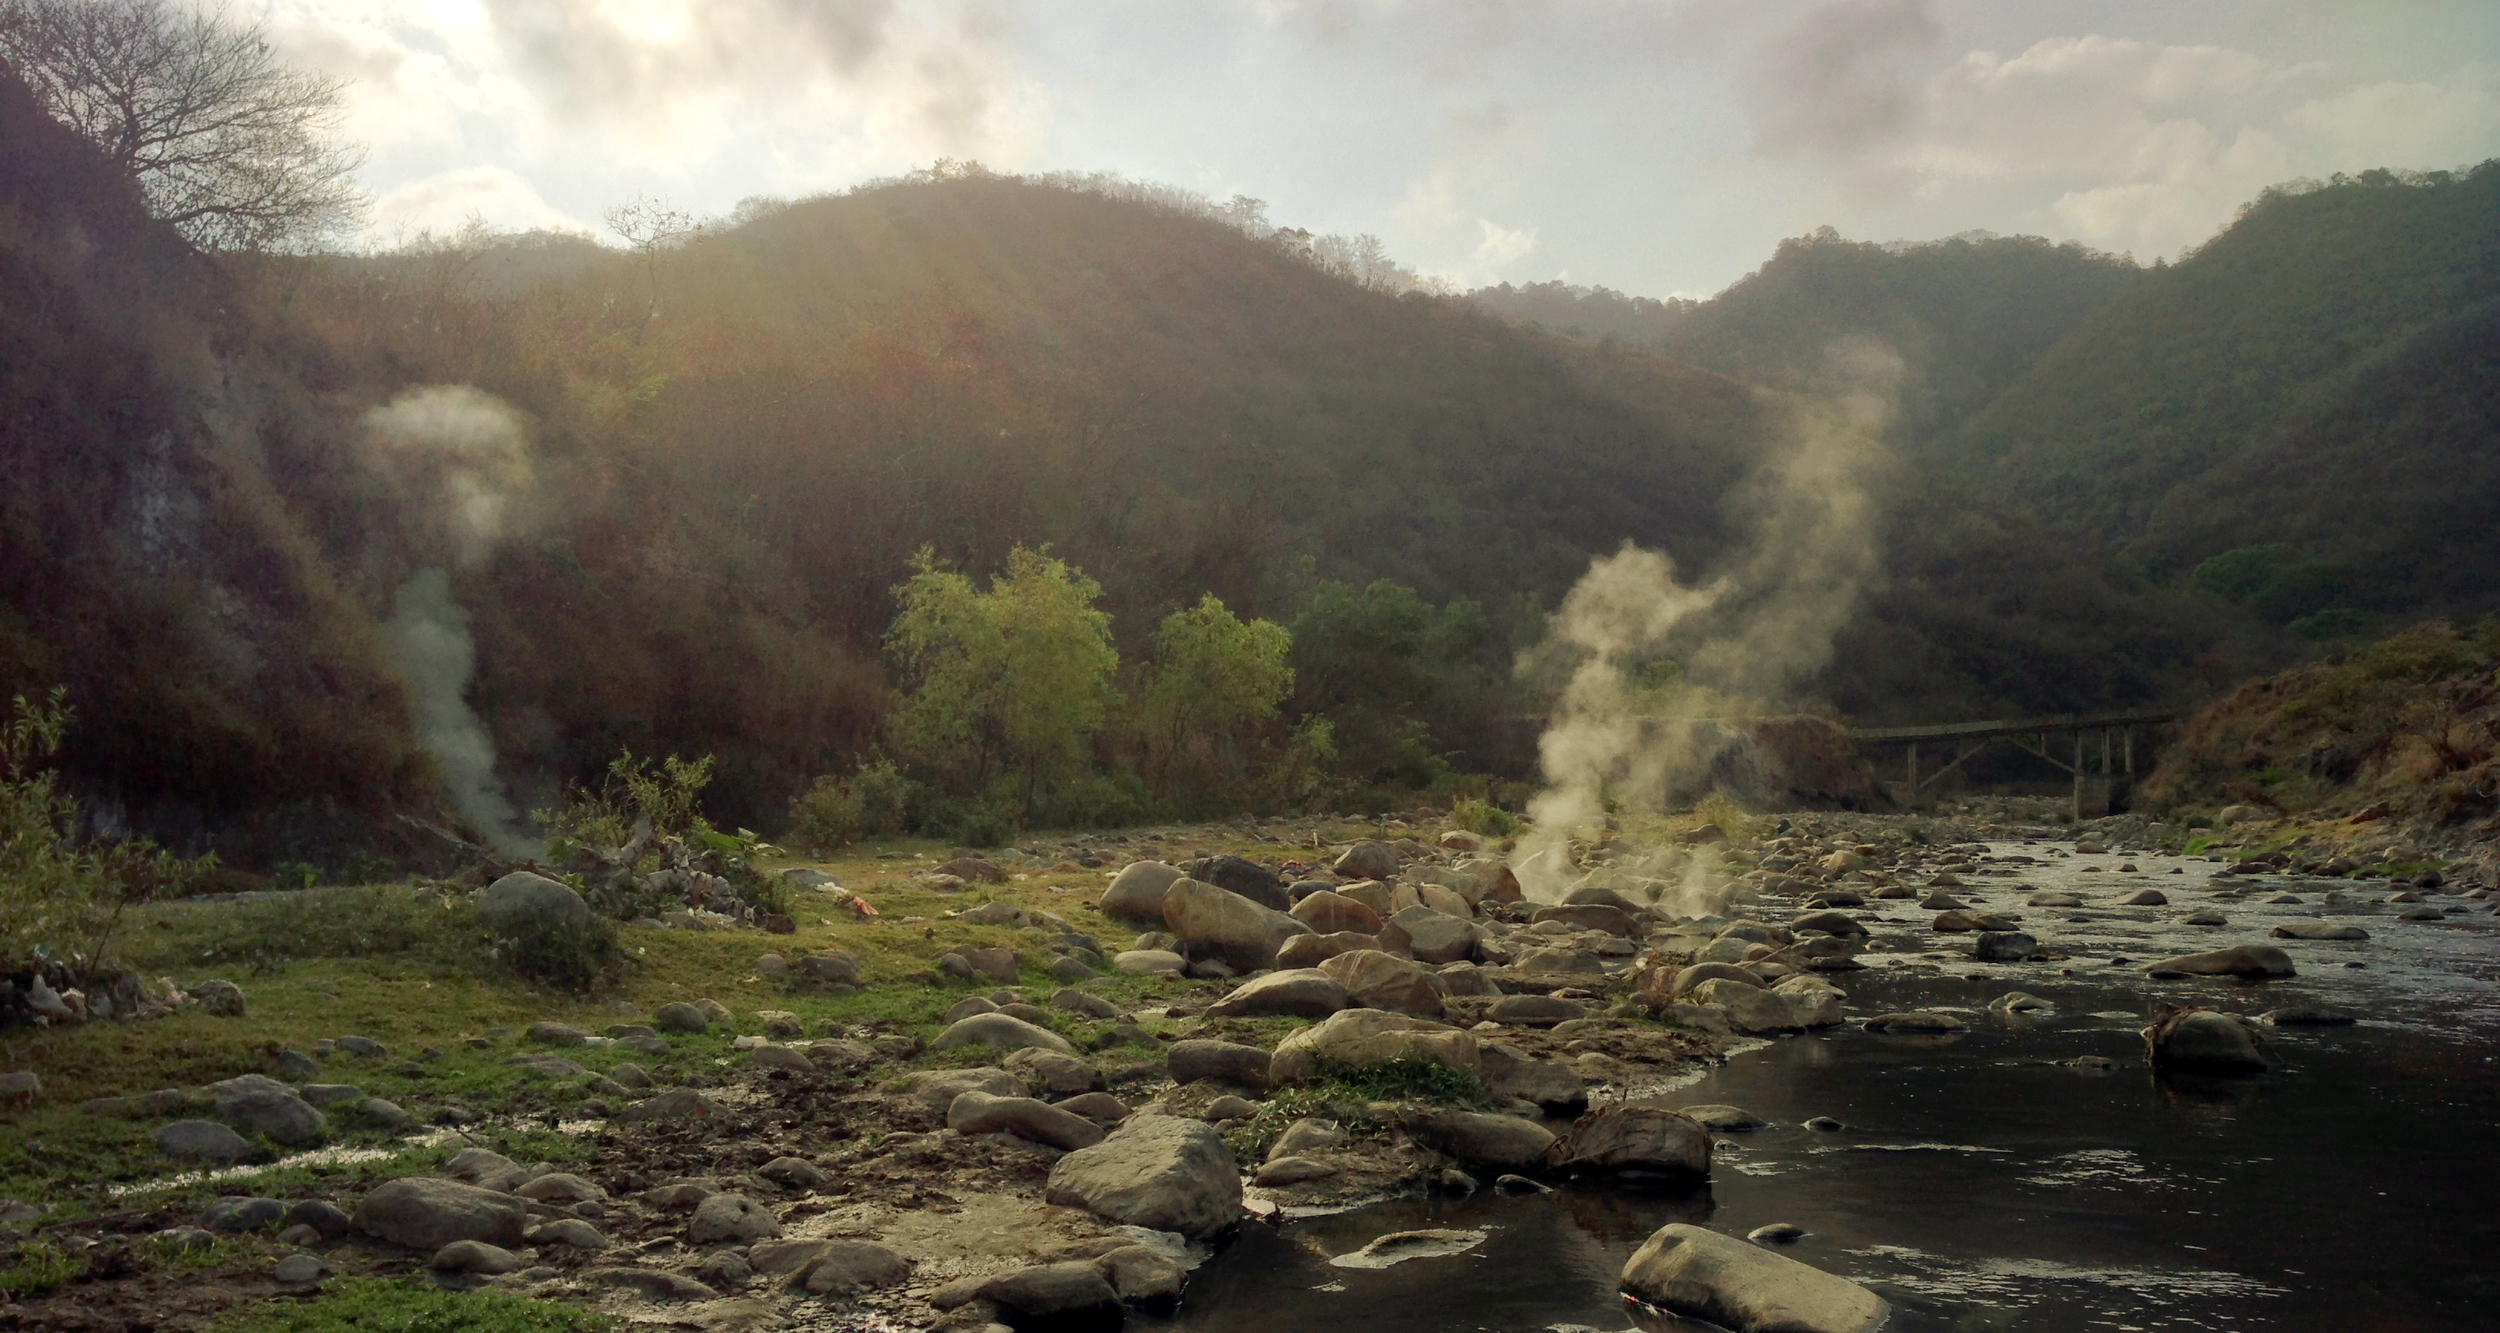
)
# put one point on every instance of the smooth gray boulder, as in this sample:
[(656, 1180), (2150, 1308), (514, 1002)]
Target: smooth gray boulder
[(426, 1213), (2240, 960), (1511, 1072), (202, 1141), (1155, 1171), (1302, 993), (1329, 912), (853, 1265), (475, 1256), (280, 1117), (1698, 1273), (1626, 1137), (1534, 1011), (1006, 1032), (1059, 1294), (981, 1113), (1429, 936), (1484, 1139), (1051, 1072), (2202, 1039), (1366, 1037), (523, 898), (1136, 893), (1223, 1061), (1248, 878), (937, 1089), (2317, 930), (1142, 1276), (2004, 946), (1367, 860), (679, 1016), (731, 1219), (1224, 922)]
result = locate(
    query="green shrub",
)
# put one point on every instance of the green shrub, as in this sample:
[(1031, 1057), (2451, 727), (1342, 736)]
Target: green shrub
[(61, 895), (570, 956), (875, 801), (1485, 818)]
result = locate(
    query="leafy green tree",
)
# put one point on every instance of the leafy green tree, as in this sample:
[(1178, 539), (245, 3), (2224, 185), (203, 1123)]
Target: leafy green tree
[(1391, 672), (1016, 679), (1213, 675)]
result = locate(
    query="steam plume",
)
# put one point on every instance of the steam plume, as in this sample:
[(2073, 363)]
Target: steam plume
[(429, 635), (460, 460), (1733, 646), (461, 454)]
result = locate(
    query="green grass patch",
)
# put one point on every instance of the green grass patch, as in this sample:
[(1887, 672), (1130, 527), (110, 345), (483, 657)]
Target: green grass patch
[(400, 1305), (1343, 1093), (37, 1266)]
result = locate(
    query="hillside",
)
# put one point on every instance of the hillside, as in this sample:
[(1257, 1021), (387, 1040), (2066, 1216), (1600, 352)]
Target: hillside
[(2320, 377)]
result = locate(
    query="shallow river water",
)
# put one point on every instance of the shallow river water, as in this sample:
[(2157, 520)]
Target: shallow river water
[(1982, 1184)]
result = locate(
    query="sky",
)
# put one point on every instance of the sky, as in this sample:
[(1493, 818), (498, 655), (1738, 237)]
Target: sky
[(1658, 147)]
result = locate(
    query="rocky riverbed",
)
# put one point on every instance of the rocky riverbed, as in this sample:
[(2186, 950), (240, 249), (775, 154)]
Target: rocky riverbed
[(1379, 1082)]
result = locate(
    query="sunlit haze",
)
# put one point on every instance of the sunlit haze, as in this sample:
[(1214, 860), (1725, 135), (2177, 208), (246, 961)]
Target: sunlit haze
[(1656, 147)]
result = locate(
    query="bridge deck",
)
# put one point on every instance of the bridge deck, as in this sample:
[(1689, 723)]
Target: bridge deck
[(2028, 726)]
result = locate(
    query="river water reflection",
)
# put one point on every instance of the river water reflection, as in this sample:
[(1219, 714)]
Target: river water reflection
[(1982, 1183)]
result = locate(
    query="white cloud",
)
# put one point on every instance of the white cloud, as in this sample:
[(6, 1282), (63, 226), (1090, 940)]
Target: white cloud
[(2133, 145), (1503, 246)]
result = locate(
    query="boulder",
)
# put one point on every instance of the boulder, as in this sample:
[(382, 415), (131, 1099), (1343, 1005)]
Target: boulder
[(1142, 1276), (2202, 1039), (2145, 898), (426, 1213), (1367, 860), (1376, 980), (1628, 1137), (1916, 1021), (1430, 936), (1006, 1032), (972, 870), (681, 1016), (1302, 993), (937, 1089), (1700, 1274), (201, 1141), (1494, 881), (559, 1187), (1482, 1138), (1364, 1037), (998, 963), (832, 966), (656, 1284), (1374, 894), (1464, 979), (2317, 930), (1756, 1009), (1222, 1061), (1277, 1171), (1698, 973), (1155, 1171), (522, 898), (1534, 1011), (1588, 916), (1146, 962), (981, 1113), (281, 1117), (1251, 880), (1136, 893), (1830, 923), (851, 1265), (796, 1173), (1723, 1119), (475, 1256), (1562, 960), (1069, 1294), (2004, 946), (731, 1219), (1316, 950), (1513, 1073), (1328, 913), (1246, 934), (2240, 960), (2053, 900), (1083, 1002), (1049, 1071), (485, 1169)]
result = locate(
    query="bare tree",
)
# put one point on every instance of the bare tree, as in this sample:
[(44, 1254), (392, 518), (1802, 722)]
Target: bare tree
[(234, 149)]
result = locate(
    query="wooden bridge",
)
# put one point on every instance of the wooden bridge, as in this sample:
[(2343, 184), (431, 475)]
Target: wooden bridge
[(2111, 734)]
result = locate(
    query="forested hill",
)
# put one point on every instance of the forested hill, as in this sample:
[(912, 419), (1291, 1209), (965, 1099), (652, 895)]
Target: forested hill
[(2318, 388), (2302, 416), (1968, 315)]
